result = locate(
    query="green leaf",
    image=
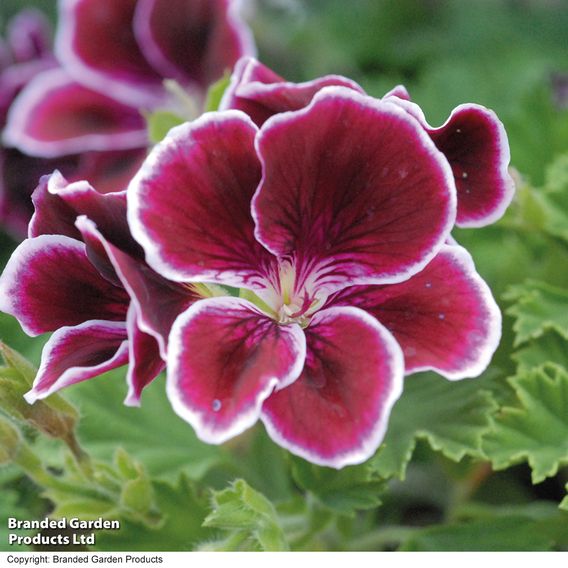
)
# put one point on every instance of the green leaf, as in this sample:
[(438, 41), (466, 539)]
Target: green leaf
[(152, 434), (514, 533), (564, 502), (343, 491), (241, 509), (538, 307), (548, 347), (216, 91), (182, 512), (536, 428), (452, 416), (160, 122)]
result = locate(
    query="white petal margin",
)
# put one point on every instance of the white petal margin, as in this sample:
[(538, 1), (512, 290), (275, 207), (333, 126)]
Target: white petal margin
[(503, 144), (373, 440), (487, 348), (387, 107), (179, 136), (41, 87), (73, 375), (193, 416)]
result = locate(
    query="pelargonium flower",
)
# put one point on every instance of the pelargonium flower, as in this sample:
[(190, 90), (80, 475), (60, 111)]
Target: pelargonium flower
[(54, 123), (332, 221), (125, 49), (472, 139), (82, 116), (65, 278)]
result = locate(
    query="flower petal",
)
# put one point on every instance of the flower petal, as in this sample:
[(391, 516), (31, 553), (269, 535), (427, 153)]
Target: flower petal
[(193, 42), (444, 318), (336, 413), (355, 188), (145, 363), (76, 354), (189, 205), (95, 41), (29, 35), (54, 116), (259, 92), (475, 143), (225, 358), (158, 301), (49, 283)]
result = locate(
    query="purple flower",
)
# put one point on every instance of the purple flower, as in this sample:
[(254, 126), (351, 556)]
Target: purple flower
[(54, 123), (472, 139), (126, 48), (68, 278), (81, 115), (332, 220)]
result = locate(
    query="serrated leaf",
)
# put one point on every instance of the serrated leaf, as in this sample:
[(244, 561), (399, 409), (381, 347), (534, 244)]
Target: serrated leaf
[(452, 416), (241, 509), (344, 491), (549, 347), (515, 533), (536, 429), (538, 308)]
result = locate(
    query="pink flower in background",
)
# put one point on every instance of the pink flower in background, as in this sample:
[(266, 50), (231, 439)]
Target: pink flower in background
[(473, 139), (81, 115), (126, 48), (332, 220), (46, 135)]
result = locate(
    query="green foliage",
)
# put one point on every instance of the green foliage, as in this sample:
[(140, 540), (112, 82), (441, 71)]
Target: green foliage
[(538, 308), (343, 491), (153, 433), (216, 92), (160, 122), (536, 428), (452, 417), (514, 533), (250, 517)]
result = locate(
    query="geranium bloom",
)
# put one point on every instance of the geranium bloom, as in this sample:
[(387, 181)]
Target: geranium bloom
[(332, 220), (82, 116), (126, 48), (64, 278), (54, 123), (473, 139)]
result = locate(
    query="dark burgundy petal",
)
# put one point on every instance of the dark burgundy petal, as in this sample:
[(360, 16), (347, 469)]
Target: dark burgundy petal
[(354, 188), (224, 360), (189, 205), (144, 361), (95, 41), (76, 354), (475, 143), (158, 301), (444, 317), (191, 41), (52, 216), (260, 93), (49, 283), (55, 116), (336, 413), (58, 203)]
